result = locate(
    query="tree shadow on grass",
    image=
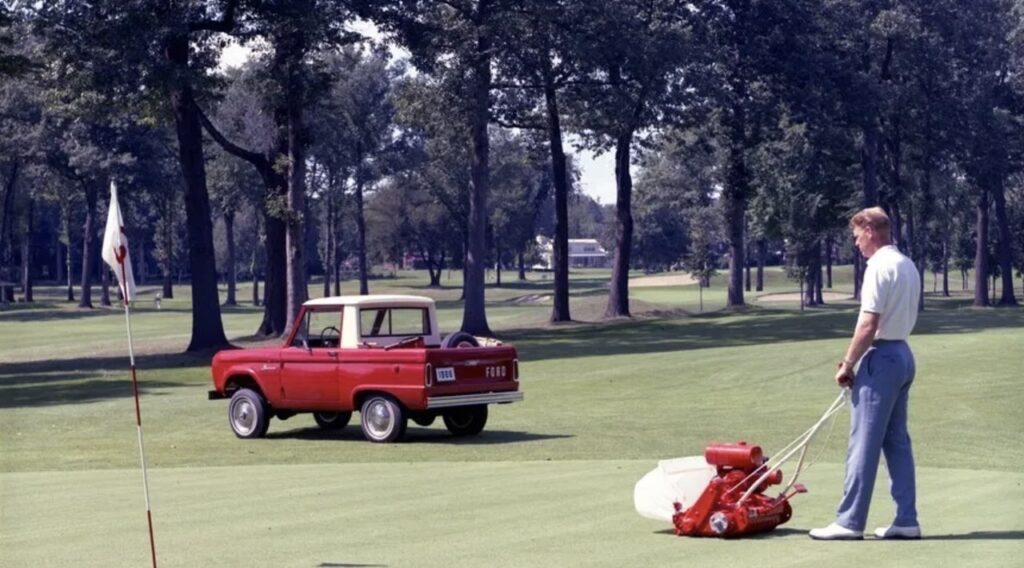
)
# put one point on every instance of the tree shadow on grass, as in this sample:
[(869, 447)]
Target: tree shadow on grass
[(753, 326), (978, 535), (72, 381), (417, 436)]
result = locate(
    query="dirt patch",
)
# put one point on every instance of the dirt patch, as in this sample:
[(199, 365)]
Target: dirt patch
[(674, 279), (795, 297)]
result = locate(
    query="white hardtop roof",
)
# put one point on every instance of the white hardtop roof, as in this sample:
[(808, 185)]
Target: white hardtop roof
[(373, 300)]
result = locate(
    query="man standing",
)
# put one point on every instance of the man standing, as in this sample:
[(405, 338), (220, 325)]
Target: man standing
[(880, 385)]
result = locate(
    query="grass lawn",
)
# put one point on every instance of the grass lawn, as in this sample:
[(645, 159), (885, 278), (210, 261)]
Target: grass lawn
[(548, 483)]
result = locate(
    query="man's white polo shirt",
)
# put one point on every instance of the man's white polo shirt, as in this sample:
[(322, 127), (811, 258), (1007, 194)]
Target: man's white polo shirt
[(892, 289)]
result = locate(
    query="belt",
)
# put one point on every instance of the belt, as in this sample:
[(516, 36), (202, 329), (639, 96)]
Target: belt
[(887, 341)]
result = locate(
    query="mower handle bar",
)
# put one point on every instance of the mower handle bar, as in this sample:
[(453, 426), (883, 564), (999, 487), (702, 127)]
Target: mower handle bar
[(799, 444)]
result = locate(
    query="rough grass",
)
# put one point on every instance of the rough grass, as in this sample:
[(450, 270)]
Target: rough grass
[(548, 483)]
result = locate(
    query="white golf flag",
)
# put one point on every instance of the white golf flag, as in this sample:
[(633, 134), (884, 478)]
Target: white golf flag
[(115, 247)]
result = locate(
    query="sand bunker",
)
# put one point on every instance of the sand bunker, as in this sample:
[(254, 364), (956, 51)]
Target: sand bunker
[(795, 297), (673, 279)]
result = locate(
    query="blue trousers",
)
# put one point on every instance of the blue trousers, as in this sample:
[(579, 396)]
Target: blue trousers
[(878, 423)]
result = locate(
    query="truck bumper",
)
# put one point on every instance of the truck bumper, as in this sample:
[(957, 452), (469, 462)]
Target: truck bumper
[(473, 399), (215, 395)]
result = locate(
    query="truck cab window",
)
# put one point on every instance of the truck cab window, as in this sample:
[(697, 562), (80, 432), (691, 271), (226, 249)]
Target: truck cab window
[(393, 322), (319, 329)]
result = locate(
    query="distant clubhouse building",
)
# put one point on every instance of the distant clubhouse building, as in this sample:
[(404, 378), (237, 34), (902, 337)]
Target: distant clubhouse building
[(583, 253)]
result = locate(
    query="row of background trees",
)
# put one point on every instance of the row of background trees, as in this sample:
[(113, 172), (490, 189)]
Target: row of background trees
[(360, 131)]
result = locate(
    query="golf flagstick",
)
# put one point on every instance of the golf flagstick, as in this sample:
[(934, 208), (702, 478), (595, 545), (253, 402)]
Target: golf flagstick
[(115, 253)]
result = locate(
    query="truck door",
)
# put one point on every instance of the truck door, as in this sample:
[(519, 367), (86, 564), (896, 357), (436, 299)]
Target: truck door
[(309, 366)]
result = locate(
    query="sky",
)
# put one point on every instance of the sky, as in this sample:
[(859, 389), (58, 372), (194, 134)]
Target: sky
[(597, 173)]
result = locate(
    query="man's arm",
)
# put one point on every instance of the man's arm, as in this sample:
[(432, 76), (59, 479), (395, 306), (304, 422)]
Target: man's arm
[(863, 335)]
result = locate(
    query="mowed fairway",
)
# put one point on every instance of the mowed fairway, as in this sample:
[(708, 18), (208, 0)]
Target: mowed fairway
[(550, 480)]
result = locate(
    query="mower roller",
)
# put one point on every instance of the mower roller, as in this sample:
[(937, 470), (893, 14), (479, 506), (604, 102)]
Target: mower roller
[(722, 493)]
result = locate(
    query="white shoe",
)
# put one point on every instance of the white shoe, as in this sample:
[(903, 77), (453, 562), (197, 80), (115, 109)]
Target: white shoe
[(836, 531), (894, 531)]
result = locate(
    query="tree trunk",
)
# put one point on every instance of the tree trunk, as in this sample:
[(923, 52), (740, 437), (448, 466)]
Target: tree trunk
[(830, 246), (560, 245), (254, 260), (59, 264), (105, 284), (869, 162), (364, 286), (762, 252), (945, 263), (618, 290), (167, 264), (1007, 297), (231, 273), (207, 327), (748, 261), (6, 214), (736, 206), (328, 261), (915, 252), (981, 252), (26, 252), (858, 272), (89, 248), (275, 291), (67, 267), (474, 315), (819, 283), (296, 237)]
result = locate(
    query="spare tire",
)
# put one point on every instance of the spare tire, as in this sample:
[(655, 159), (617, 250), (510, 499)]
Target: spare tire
[(459, 339)]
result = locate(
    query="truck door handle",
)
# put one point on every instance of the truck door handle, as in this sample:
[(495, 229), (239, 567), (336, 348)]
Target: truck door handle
[(332, 354)]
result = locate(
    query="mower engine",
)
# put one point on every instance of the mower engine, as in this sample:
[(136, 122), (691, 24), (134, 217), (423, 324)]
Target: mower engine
[(730, 505)]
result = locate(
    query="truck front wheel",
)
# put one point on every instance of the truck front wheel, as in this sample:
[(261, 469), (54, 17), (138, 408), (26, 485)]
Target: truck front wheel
[(247, 414), (466, 421), (383, 419)]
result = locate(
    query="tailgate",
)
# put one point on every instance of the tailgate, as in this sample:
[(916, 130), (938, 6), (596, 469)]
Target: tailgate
[(472, 369)]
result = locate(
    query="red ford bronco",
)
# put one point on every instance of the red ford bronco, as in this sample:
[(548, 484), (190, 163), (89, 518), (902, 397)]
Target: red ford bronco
[(381, 355)]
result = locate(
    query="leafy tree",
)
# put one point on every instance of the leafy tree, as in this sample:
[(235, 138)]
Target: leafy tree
[(631, 79), (154, 54), (360, 106)]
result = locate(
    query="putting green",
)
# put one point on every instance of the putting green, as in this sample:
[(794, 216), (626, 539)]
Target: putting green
[(556, 513)]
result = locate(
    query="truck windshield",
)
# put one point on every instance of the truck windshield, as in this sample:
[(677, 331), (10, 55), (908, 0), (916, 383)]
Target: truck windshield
[(391, 322)]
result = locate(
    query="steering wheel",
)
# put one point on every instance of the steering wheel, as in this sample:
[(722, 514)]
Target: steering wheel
[(324, 336)]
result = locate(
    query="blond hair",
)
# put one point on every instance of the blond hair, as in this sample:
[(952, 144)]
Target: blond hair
[(874, 218)]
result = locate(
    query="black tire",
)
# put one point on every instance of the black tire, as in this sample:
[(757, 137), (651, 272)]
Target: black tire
[(248, 415), (459, 339), (424, 420), (383, 420), (466, 420), (332, 420)]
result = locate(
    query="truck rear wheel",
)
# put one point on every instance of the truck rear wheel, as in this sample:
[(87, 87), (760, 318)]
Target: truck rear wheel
[(332, 420), (247, 414), (467, 420), (382, 419)]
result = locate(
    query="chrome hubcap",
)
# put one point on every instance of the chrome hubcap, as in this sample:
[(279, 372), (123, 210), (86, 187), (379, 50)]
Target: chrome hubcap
[(379, 420), (243, 417)]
